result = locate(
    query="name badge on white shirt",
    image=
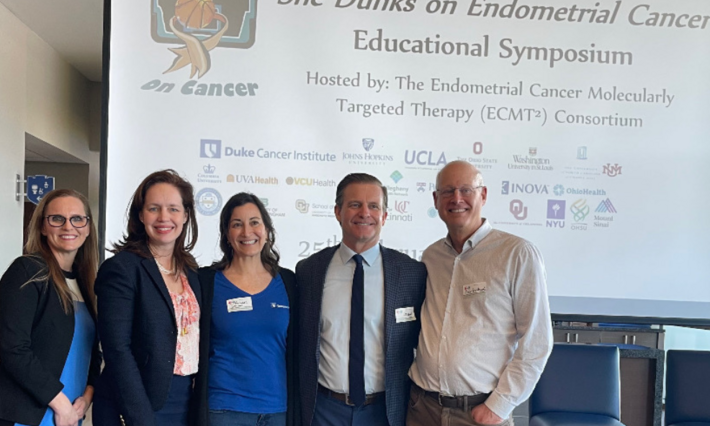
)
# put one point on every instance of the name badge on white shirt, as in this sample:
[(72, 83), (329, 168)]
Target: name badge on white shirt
[(475, 288), (239, 304), (405, 314)]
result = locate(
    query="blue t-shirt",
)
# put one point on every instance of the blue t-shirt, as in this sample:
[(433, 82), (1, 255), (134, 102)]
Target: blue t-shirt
[(248, 348)]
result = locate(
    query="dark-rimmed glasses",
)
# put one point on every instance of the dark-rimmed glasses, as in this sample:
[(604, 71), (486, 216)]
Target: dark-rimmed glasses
[(57, 221)]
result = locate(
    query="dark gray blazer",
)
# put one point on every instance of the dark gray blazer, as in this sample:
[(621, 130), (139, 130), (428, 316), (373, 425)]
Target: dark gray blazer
[(405, 283), (138, 335)]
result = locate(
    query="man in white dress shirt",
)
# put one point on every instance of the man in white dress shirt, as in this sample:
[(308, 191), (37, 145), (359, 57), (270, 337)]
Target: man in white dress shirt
[(359, 307), (486, 330)]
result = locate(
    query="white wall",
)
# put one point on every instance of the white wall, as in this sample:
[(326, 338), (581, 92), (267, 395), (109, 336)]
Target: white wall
[(12, 131), (44, 96)]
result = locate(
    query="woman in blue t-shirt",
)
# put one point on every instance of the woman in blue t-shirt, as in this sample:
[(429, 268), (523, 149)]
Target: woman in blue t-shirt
[(248, 325)]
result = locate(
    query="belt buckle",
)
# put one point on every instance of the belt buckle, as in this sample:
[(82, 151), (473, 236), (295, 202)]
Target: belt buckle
[(439, 399), (347, 400)]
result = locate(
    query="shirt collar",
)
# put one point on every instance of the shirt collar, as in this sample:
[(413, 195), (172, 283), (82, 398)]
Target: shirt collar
[(476, 238), (370, 255)]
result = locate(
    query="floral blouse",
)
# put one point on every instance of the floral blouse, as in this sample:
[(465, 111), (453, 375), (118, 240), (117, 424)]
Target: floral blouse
[(187, 315)]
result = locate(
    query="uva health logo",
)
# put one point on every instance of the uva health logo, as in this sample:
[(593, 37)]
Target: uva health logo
[(200, 26)]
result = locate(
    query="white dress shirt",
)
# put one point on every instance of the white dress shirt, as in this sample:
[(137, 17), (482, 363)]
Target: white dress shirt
[(335, 321), (485, 321)]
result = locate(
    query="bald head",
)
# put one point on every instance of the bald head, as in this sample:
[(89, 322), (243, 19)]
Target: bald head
[(459, 197), (460, 168)]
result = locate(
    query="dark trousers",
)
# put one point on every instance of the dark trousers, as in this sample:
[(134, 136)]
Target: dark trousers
[(174, 412), (331, 412)]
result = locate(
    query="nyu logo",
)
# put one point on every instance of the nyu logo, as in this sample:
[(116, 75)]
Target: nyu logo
[(612, 171), (210, 148), (424, 158), (518, 210), (522, 188), (555, 213)]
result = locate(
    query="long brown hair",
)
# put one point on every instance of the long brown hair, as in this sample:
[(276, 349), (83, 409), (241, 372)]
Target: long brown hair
[(86, 261), (269, 255), (136, 239)]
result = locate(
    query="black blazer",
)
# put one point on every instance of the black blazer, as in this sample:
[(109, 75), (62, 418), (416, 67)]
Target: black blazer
[(138, 335), (405, 284), (35, 337), (202, 380)]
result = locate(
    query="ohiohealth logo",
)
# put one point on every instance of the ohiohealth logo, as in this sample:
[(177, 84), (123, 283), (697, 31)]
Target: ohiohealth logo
[(210, 148), (200, 26)]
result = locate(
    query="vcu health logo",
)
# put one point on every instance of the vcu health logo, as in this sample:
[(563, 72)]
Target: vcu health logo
[(200, 26)]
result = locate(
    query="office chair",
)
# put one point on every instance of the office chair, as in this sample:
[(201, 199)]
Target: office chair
[(580, 386), (687, 388)]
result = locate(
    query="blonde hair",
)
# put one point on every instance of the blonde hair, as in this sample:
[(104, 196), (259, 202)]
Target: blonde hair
[(86, 261)]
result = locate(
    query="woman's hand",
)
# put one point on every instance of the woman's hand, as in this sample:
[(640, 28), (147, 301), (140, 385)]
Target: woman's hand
[(81, 404), (64, 412)]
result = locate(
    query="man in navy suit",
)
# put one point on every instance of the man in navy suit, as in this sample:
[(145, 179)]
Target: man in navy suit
[(359, 317)]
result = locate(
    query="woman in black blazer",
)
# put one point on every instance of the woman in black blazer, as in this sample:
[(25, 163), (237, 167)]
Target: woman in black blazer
[(149, 310), (248, 325), (48, 344)]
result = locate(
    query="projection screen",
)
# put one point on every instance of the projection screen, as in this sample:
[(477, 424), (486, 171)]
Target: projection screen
[(588, 119)]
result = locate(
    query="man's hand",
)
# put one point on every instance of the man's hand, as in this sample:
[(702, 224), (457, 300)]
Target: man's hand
[(483, 415), (64, 413)]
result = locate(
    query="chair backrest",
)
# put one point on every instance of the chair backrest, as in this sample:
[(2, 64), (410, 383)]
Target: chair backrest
[(579, 379), (687, 386)]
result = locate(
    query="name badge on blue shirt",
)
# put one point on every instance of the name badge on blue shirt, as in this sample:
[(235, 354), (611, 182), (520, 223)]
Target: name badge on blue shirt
[(239, 304)]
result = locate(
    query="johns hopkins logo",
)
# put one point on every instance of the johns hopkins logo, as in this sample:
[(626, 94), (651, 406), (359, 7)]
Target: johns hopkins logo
[(38, 186), (210, 148), (199, 26), (208, 201), (368, 143)]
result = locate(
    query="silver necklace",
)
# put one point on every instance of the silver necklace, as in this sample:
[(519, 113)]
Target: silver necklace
[(163, 269)]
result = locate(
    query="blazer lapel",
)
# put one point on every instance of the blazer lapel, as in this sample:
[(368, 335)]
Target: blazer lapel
[(194, 281), (154, 274), (391, 274)]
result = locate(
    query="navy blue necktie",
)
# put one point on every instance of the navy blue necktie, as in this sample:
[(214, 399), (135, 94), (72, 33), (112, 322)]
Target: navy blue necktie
[(356, 366)]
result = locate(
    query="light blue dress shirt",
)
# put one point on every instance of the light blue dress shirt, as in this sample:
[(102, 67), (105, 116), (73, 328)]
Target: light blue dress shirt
[(335, 321)]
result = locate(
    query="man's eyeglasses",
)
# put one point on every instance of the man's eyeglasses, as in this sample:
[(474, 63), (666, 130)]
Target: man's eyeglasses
[(57, 220), (465, 191)]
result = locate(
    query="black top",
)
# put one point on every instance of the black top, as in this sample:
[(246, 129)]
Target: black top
[(138, 335), (202, 381), (35, 338)]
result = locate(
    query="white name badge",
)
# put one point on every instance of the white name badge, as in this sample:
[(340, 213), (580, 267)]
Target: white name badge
[(239, 304), (405, 314), (475, 288)]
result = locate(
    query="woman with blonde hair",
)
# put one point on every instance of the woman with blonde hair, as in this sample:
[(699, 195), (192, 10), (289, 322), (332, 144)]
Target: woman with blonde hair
[(48, 344)]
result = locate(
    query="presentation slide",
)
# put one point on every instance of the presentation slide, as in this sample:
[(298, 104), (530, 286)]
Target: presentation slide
[(589, 120)]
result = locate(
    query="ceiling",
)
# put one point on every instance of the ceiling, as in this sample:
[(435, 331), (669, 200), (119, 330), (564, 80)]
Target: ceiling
[(74, 28)]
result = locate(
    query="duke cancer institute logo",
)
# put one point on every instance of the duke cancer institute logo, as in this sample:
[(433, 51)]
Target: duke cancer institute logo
[(200, 26), (208, 201)]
